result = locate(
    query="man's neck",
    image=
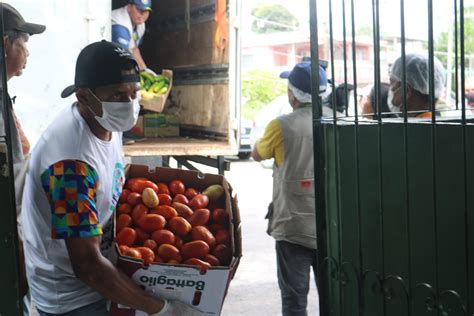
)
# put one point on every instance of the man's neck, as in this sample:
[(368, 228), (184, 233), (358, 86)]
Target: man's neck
[(94, 126)]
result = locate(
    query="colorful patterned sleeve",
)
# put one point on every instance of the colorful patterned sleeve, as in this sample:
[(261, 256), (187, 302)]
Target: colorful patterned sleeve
[(71, 187)]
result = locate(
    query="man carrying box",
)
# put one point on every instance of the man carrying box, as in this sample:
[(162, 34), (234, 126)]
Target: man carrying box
[(74, 181)]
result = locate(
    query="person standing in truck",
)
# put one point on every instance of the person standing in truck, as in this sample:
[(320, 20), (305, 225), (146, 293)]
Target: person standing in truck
[(128, 28), (75, 178), (292, 215), (16, 32)]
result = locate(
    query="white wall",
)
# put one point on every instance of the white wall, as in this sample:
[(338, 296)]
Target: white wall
[(70, 25)]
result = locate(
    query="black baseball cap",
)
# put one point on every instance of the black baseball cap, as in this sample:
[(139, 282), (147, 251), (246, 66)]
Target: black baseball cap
[(13, 21), (101, 64)]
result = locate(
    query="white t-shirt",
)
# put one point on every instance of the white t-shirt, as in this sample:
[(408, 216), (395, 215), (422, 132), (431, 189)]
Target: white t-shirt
[(123, 32), (72, 186)]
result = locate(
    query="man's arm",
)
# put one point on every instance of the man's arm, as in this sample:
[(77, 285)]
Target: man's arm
[(255, 155), (138, 57), (100, 274), (270, 145)]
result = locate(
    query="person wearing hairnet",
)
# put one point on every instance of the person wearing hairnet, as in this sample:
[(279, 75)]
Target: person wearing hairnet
[(417, 85)]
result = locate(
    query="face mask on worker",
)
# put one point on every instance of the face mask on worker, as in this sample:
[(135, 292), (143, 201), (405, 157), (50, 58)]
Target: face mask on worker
[(393, 108), (118, 116)]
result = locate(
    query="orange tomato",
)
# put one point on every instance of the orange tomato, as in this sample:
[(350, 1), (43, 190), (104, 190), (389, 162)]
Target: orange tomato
[(122, 249), (178, 242), (124, 195), (182, 209), (181, 198), (220, 216), (179, 226), (150, 243), (127, 236), (169, 252), (203, 265), (177, 187), (151, 222), (140, 184), (148, 255), (200, 217), (202, 233), (223, 237), (138, 212), (163, 236), (212, 260), (166, 211), (165, 199), (123, 220), (223, 253), (199, 201), (195, 249), (190, 193), (133, 253), (163, 187), (131, 182), (134, 198), (124, 208)]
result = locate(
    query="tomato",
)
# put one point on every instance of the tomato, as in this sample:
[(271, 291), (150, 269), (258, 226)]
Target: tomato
[(178, 242), (183, 210), (133, 253), (220, 216), (214, 228), (195, 249), (197, 262), (223, 237), (190, 193), (165, 199), (223, 253), (142, 236), (177, 187), (150, 243), (212, 260), (131, 182), (199, 201), (163, 187), (169, 252), (134, 198), (124, 195), (122, 249), (202, 233), (127, 236), (150, 198), (163, 236), (141, 184), (179, 226), (200, 217), (138, 212), (124, 208), (181, 198), (151, 222), (148, 255), (166, 211), (124, 220)]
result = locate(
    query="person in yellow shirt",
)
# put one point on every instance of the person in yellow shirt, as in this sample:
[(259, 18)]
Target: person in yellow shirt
[(292, 221)]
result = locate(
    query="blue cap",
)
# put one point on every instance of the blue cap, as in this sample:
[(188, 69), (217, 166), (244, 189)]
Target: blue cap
[(300, 77), (144, 5)]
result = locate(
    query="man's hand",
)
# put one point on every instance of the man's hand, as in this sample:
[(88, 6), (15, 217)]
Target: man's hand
[(176, 308)]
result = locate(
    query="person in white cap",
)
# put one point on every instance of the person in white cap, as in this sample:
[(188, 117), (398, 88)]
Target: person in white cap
[(417, 85)]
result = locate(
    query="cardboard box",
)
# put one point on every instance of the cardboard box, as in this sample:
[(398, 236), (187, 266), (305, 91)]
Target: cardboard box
[(157, 103), (204, 291), (161, 125), (139, 128)]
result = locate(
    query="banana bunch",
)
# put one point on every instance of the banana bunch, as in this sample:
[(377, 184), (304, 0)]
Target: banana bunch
[(152, 86)]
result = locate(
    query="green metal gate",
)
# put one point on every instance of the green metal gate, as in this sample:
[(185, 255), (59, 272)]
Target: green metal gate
[(395, 200)]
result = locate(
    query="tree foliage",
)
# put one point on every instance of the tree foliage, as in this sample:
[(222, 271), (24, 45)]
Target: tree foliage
[(259, 87), (283, 20)]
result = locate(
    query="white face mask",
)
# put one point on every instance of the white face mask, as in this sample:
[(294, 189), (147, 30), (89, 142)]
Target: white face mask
[(118, 116), (393, 108)]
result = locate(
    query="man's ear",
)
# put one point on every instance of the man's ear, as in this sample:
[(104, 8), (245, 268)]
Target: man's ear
[(83, 96), (6, 43)]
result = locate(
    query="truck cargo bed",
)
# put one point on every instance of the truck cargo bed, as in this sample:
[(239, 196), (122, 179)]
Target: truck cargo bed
[(180, 146)]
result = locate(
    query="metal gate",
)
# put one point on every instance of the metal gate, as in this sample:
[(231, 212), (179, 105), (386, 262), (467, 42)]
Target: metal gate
[(395, 200)]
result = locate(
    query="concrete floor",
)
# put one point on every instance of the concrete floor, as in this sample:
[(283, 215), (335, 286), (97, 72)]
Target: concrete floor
[(254, 290)]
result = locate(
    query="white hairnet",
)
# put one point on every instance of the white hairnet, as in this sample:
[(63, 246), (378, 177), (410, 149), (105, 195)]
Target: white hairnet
[(417, 73)]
